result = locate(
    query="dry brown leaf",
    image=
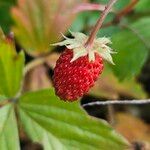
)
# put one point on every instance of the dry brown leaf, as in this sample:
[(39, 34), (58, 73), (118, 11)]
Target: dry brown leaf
[(38, 23), (133, 128)]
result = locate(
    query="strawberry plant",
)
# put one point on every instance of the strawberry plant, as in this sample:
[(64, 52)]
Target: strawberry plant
[(42, 115), (47, 84)]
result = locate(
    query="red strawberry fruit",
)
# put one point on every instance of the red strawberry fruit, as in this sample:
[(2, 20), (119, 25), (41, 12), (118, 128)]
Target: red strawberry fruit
[(78, 68), (73, 79)]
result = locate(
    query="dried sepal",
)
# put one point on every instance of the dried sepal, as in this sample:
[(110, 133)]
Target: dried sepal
[(77, 44)]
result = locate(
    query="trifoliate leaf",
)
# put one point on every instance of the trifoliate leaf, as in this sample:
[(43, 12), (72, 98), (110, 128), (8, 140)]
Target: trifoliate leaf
[(9, 139), (64, 126), (132, 46), (11, 67)]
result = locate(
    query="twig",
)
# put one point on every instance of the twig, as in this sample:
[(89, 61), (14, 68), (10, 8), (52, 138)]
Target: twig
[(99, 23), (118, 102)]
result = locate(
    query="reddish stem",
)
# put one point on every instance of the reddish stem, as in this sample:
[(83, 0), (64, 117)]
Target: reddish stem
[(88, 6), (99, 23)]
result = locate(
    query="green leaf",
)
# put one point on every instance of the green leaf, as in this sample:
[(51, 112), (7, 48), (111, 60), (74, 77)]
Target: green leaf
[(5, 17), (143, 6), (60, 125), (11, 71), (2, 98), (79, 23), (9, 139), (132, 47)]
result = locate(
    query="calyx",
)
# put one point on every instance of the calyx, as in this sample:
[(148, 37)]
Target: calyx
[(77, 44)]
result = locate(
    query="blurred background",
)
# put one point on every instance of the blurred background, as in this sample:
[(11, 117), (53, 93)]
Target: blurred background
[(35, 24)]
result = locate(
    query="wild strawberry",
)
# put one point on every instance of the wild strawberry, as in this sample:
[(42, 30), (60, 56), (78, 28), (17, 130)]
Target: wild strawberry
[(78, 68), (73, 79)]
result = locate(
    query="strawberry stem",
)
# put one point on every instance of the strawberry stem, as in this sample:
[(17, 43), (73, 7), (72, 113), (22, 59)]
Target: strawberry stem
[(99, 23)]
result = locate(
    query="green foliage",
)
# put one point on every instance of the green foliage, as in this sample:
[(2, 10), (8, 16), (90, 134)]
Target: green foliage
[(79, 23), (2, 98), (104, 32), (143, 6), (86, 20), (132, 47), (11, 71), (9, 139), (60, 125), (5, 17)]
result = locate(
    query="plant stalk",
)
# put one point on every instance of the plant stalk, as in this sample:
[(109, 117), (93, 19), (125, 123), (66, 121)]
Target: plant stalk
[(99, 23)]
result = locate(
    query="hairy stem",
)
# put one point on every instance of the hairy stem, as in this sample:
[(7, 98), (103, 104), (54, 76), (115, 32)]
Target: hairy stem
[(119, 102), (99, 23)]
